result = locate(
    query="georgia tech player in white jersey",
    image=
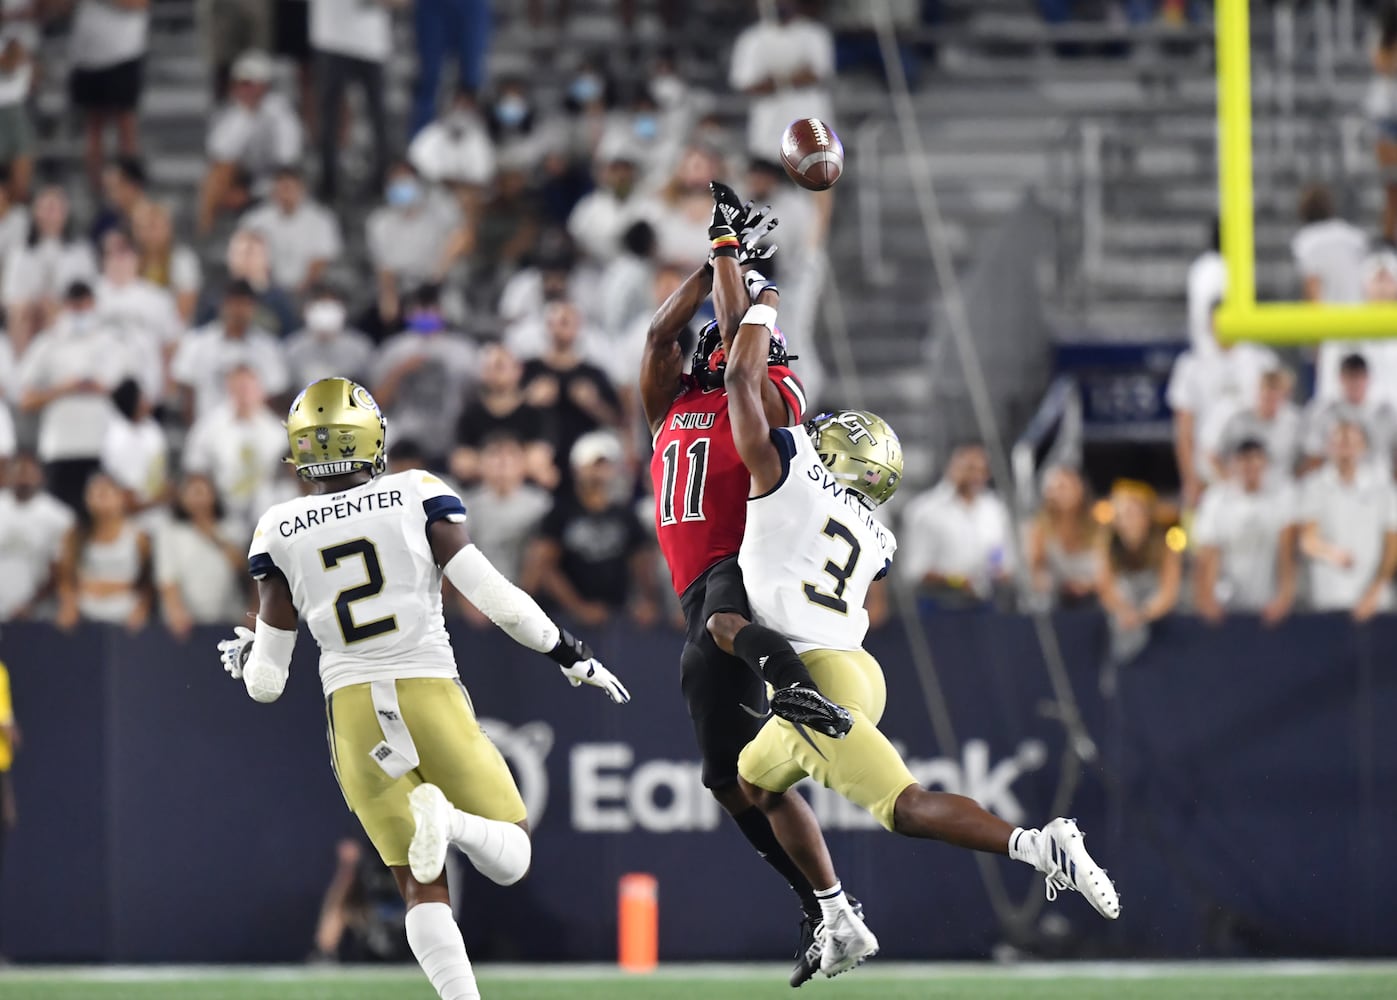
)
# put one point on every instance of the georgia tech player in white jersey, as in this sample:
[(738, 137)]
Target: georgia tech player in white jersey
[(362, 562), (811, 549)]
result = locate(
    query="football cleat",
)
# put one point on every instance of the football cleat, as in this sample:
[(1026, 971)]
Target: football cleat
[(1063, 858), (846, 943), (811, 947), (431, 820), (804, 706)]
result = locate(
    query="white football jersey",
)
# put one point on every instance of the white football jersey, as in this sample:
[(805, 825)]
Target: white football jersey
[(810, 552), (362, 575)]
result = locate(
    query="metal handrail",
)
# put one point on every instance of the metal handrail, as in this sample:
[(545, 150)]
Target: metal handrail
[(1059, 414)]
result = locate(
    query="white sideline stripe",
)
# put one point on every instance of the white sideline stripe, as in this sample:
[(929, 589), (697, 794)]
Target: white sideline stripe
[(713, 971)]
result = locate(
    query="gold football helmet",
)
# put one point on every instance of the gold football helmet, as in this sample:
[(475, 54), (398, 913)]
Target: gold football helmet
[(335, 428), (861, 451)]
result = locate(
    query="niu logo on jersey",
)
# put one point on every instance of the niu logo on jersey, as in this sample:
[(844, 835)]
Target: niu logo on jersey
[(691, 422)]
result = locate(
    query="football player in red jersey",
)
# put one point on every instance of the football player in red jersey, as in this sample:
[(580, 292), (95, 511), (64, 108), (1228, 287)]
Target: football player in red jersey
[(701, 487)]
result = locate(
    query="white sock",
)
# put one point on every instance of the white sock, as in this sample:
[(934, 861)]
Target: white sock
[(500, 851), (832, 901), (435, 939), (1023, 845)]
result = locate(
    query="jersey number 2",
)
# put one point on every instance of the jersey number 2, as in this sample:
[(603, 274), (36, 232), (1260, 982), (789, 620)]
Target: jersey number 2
[(364, 549), (840, 574), (698, 473)]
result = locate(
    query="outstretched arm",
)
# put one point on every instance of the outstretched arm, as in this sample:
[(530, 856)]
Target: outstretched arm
[(661, 364), (514, 611), (262, 659), (746, 377)]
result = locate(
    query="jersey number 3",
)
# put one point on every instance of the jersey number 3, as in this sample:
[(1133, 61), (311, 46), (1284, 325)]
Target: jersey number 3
[(840, 574), (693, 494), (364, 549)]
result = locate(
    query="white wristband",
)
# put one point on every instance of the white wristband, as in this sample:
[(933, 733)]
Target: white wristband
[(760, 316), (269, 663)]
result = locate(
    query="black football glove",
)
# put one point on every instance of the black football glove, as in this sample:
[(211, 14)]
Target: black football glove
[(729, 214)]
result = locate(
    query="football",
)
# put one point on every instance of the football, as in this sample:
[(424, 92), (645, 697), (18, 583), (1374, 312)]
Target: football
[(812, 154)]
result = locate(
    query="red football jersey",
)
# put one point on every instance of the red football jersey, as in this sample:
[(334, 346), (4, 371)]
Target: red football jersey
[(700, 483)]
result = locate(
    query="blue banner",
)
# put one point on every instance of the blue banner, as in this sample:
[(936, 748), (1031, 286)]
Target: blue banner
[(1240, 799)]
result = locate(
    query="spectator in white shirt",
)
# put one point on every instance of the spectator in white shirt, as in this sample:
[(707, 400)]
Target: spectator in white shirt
[(239, 444), (66, 377), (1348, 529), (422, 376), (412, 240), (1356, 404), (106, 51), (143, 313), (1210, 385), (164, 263), (956, 535), (1275, 421), (1207, 286), (1246, 545), (598, 221), (302, 237), (456, 149), (785, 65), (199, 561), (254, 133), (206, 356), (39, 273), (628, 297), (677, 212), (136, 454), (326, 346), (351, 42), (33, 525)]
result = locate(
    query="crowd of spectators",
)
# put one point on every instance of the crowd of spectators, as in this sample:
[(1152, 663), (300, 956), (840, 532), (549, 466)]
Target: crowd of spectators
[(489, 273)]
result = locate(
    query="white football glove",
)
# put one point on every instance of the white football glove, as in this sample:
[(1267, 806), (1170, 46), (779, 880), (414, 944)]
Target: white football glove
[(234, 652), (592, 673)]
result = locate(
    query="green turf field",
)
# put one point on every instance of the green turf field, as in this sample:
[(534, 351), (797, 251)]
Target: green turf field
[(1125, 981)]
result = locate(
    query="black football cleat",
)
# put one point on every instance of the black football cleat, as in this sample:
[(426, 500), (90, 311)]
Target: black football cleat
[(804, 706), (812, 947)]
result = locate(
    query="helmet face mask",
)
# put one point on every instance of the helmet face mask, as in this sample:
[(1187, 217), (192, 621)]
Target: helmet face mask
[(710, 358), (861, 451), (335, 428)]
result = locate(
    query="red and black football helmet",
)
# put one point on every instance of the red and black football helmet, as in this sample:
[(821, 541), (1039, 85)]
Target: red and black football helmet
[(711, 358)]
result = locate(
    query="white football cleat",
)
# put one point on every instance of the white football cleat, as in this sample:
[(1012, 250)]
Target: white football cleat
[(1063, 858), (431, 820), (846, 943)]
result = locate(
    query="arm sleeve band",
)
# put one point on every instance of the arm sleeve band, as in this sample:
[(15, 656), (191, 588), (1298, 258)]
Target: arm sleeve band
[(760, 316), (501, 601), (270, 662)]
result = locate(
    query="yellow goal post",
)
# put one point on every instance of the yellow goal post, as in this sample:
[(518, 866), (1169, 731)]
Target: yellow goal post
[(1241, 317)]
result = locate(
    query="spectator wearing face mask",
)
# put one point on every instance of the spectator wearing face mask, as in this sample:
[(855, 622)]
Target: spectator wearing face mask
[(513, 123), (249, 262), (66, 378), (448, 27), (135, 454), (326, 346), (239, 443), (1245, 541), (206, 356), (784, 63), (255, 132), (302, 236), (456, 148), (33, 525), (505, 509), (421, 376), (598, 221), (587, 109), (411, 241), (499, 409)]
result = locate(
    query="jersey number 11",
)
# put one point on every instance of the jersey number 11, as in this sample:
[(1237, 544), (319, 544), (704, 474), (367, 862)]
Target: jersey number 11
[(698, 472)]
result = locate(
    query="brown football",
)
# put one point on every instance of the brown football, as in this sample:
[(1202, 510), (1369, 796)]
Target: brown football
[(812, 154)]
